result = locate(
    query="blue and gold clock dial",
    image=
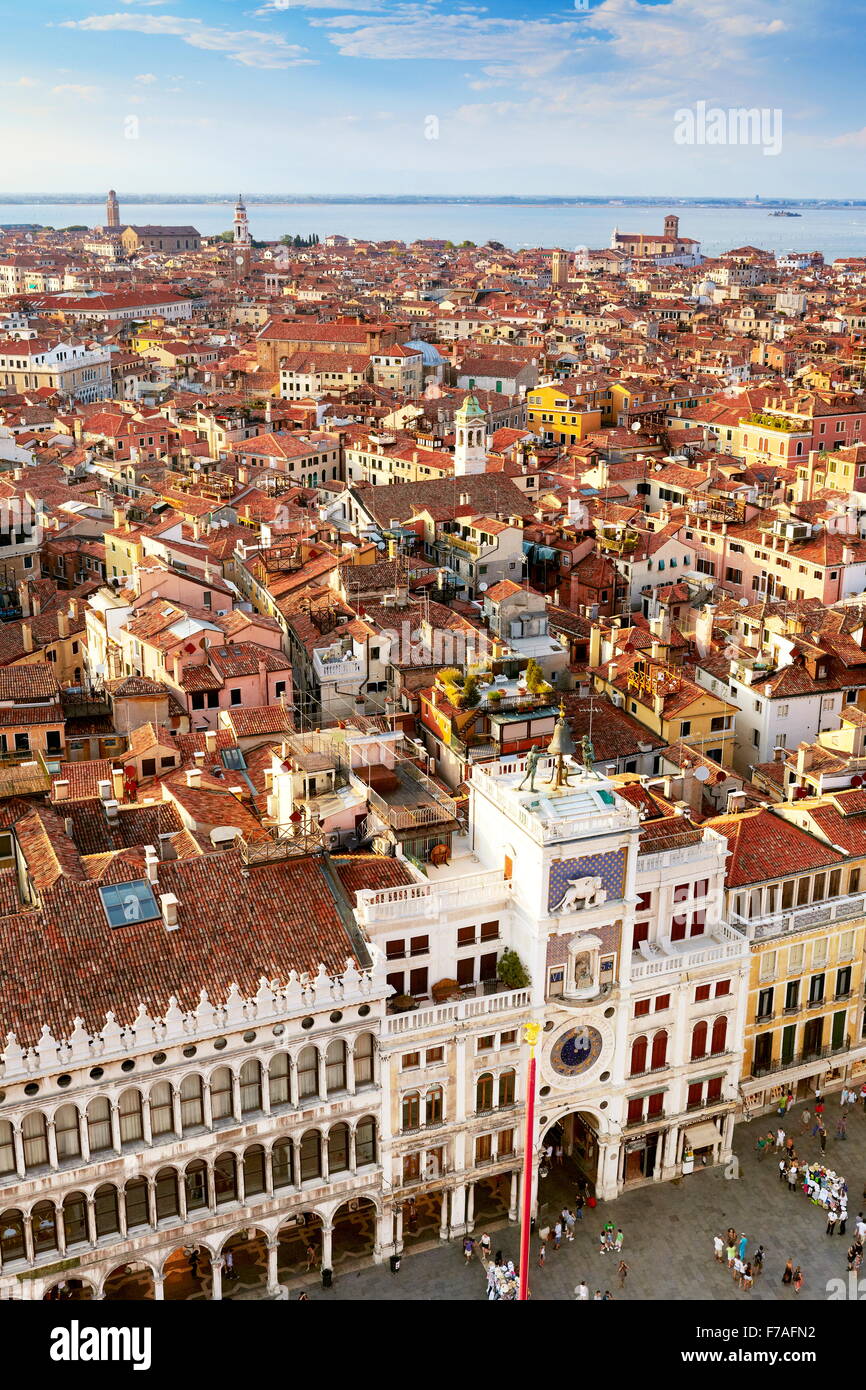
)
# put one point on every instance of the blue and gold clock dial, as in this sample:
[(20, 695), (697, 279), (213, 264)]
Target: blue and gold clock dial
[(576, 1050)]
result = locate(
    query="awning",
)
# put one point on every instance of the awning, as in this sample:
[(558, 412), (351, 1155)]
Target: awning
[(702, 1136)]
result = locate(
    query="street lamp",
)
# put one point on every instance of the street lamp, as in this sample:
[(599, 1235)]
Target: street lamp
[(530, 1037)]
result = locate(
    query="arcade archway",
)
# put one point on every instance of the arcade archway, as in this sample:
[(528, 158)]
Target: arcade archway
[(295, 1238), (131, 1282), (354, 1234), (187, 1274), (245, 1262)]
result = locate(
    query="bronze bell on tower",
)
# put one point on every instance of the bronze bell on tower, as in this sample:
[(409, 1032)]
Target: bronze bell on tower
[(561, 746)]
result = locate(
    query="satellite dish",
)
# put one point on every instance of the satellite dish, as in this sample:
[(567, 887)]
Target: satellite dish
[(702, 773), (380, 545), (744, 603), (482, 588), (635, 426)]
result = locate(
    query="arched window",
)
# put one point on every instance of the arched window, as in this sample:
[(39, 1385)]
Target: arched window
[(129, 1110), (75, 1219), (278, 1080), (720, 1033), (335, 1066), (506, 1088), (251, 1086), (166, 1193), (660, 1051), (484, 1092), (43, 1221), (161, 1109), (35, 1137), (282, 1166), (137, 1212), (311, 1155), (364, 1060), (338, 1149), (12, 1236), (225, 1179), (411, 1111), (191, 1102), (308, 1072), (195, 1184), (699, 1040), (105, 1210), (638, 1056), (7, 1147), (433, 1106), (365, 1142), (222, 1105), (99, 1125), (254, 1170)]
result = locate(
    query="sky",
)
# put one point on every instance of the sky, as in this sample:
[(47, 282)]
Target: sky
[(432, 97)]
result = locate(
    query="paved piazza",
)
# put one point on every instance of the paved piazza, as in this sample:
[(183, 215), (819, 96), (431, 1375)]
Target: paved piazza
[(669, 1229)]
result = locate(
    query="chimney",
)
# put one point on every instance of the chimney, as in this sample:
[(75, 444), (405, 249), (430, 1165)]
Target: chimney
[(193, 777), (736, 803), (175, 667), (73, 608), (166, 846), (61, 790), (63, 624), (119, 518), (105, 790), (168, 905), (68, 826), (199, 758), (117, 782), (27, 635), (36, 603), (111, 810), (151, 863), (658, 706), (779, 755), (24, 597), (210, 741), (77, 429), (804, 758)]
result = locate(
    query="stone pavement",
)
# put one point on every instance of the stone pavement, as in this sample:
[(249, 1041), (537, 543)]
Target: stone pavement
[(669, 1229)]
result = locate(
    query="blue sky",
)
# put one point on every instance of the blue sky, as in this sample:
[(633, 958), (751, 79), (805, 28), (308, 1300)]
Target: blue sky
[(320, 96)]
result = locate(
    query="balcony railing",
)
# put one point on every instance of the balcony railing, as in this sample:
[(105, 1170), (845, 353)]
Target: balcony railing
[(432, 1016), (796, 919), (722, 943), (801, 1058)]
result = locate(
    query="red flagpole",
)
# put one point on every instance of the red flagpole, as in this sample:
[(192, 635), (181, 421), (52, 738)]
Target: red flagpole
[(530, 1034)]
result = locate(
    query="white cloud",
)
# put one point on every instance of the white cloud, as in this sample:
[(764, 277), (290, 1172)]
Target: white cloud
[(419, 31), (146, 77), (75, 89), (276, 6), (250, 47)]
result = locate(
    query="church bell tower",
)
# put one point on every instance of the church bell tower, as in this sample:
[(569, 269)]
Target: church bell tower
[(241, 243)]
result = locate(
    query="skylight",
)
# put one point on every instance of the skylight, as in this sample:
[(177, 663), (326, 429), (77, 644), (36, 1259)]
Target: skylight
[(123, 903)]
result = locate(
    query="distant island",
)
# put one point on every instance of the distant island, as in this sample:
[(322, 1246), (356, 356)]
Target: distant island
[(513, 200)]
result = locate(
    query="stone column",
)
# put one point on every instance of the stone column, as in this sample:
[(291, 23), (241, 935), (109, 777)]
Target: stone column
[(61, 1230), (207, 1107), (91, 1220), (443, 1216), (217, 1276), (273, 1280), (52, 1145), (151, 1201), (239, 1179), (323, 1074), (158, 1288), (470, 1206), (326, 1167), (18, 1142), (458, 1210), (29, 1250), (669, 1162), (266, 1090), (181, 1197), (210, 1187), (350, 1070), (727, 1138), (353, 1156), (398, 1228), (293, 1080), (513, 1198), (327, 1248), (175, 1112), (269, 1172), (115, 1128), (606, 1180), (121, 1213), (146, 1127), (236, 1095)]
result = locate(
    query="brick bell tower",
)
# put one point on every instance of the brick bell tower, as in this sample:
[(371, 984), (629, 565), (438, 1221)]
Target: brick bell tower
[(241, 243)]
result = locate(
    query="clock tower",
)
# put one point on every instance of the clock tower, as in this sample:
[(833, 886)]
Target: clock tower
[(241, 242)]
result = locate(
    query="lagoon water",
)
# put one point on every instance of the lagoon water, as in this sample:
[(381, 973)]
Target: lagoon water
[(836, 231)]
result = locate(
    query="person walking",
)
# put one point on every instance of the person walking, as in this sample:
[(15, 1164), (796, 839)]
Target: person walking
[(741, 1248), (541, 1254), (747, 1279), (842, 1126), (581, 1292), (780, 1139), (843, 1218), (822, 1139), (607, 1296), (578, 1208), (569, 1224), (738, 1270), (719, 1248), (730, 1254), (311, 1253), (783, 1169), (792, 1178), (788, 1275), (832, 1218), (622, 1271), (484, 1248), (761, 1147), (798, 1279), (468, 1249), (805, 1121), (557, 1235), (758, 1261), (618, 1242)]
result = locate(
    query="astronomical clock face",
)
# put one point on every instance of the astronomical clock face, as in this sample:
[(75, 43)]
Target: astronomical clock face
[(576, 1051)]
